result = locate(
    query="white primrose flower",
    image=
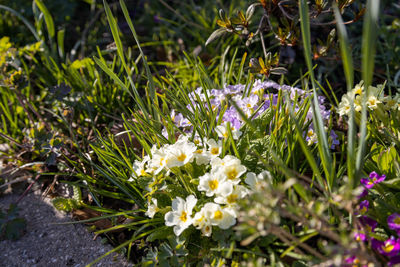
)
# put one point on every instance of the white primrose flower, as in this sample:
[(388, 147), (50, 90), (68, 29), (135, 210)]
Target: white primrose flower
[(221, 217), (230, 166), (222, 131), (345, 105), (152, 208), (158, 161), (373, 98), (202, 156), (358, 89), (391, 101), (373, 102), (358, 103), (139, 168), (202, 221), (218, 162), (214, 148), (180, 154), (179, 217), (254, 180), (215, 183), (238, 192)]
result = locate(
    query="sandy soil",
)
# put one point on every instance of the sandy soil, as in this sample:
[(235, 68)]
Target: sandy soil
[(48, 244)]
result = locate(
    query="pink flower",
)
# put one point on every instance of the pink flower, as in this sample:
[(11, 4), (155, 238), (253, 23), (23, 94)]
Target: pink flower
[(368, 223), (364, 205), (390, 247), (394, 221), (360, 236), (373, 179)]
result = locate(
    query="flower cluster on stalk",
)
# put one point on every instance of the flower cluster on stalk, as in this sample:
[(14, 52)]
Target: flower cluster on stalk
[(213, 196)]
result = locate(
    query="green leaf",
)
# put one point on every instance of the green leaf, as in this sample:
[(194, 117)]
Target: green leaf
[(65, 204), (11, 226), (370, 32), (215, 35), (161, 233), (153, 96), (47, 18), (323, 146), (60, 42), (302, 192), (347, 60)]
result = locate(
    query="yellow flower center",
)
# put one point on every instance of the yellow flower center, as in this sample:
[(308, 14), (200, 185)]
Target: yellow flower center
[(142, 172), (363, 209), (215, 150), (388, 247), (218, 215), (397, 220), (372, 101), (183, 217), (232, 198), (231, 174), (213, 184), (182, 157), (310, 133), (199, 151)]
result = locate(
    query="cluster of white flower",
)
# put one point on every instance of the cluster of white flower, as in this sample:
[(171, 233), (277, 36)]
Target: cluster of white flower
[(221, 187), (375, 99)]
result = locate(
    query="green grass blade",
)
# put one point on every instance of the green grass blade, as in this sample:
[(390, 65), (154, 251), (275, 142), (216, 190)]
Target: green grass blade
[(115, 33), (369, 37), (47, 18), (153, 97), (60, 42), (24, 20), (323, 146), (347, 60)]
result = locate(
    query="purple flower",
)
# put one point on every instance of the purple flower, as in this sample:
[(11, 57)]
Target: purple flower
[(394, 221), (352, 260), (264, 93), (368, 223), (373, 179), (156, 19), (394, 260), (363, 207), (360, 236), (389, 248), (335, 141), (364, 193)]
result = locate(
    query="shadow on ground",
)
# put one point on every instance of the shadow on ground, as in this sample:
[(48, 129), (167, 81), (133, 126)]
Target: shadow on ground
[(48, 244)]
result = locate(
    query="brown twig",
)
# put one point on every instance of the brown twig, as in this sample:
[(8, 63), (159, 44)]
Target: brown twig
[(27, 190), (295, 241)]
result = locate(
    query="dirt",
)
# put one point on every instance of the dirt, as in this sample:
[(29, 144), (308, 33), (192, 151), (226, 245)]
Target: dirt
[(47, 243)]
